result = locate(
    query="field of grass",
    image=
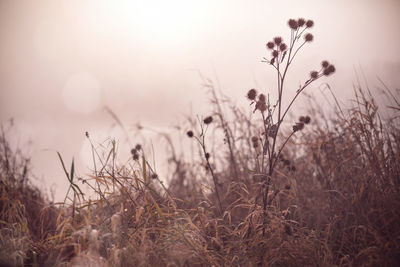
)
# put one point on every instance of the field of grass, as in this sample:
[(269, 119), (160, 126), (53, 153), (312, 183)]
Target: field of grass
[(259, 188)]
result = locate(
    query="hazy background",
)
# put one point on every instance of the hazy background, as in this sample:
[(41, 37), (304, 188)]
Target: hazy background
[(62, 62)]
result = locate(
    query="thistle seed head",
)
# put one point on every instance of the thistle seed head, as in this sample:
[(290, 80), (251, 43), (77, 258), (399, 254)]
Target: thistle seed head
[(309, 23), (251, 94), (293, 24), (278, 40), (270, 45), (314, 74), (283, 47), (301, 22), (208, 120), (325, 64), (308, 37)]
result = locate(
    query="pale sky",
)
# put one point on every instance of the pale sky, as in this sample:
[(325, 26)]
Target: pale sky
[(61, 62)]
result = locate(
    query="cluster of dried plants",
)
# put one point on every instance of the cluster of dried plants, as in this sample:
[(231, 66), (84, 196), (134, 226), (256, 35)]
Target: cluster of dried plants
[(262, 190)]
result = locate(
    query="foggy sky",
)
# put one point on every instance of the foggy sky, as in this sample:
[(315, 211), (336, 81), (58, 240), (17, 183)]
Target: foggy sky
[(62, 62)]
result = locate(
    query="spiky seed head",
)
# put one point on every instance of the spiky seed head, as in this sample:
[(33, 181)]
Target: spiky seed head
[(270, 45), (302, 118), (135, 156), (262, 98), (308, 37), (301, 22), (138, 147), (329, 70), (282, 47), (325, 64), (254, 139), (275, 53), (208, 120), (207, 155), (278, 40), (154, 176), (293, 24), (133, 151), (309, 23), (314, 74), (251, 94), (190, 133), (261, 106), (307, 120)]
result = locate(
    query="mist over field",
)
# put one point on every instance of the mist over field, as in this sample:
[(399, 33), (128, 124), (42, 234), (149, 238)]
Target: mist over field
[(199, 133)]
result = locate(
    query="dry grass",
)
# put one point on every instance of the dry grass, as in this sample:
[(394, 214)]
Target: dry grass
[(326, 196)]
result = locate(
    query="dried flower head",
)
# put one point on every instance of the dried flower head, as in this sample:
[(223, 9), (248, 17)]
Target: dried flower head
[(314, 74), (154, 176), (308, 37), (270, 45), (254, 139), (190, 133), (309, 23), (282, 47), (307, 120), (293, 24), (135, 156), (208, 120), (261, 106), (278, 40), (301, 22), (207, 155), (302, 118), (138, 147), (251, 94), (133, 151), (325, 64), (298, 126), (262, 98), (275, 53), (329, 70)]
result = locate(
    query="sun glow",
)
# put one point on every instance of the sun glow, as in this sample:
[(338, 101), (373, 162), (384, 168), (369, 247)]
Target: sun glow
[(171, 21)]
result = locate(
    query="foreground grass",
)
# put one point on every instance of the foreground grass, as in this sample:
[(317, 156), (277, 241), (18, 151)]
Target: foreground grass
[(339, 207)]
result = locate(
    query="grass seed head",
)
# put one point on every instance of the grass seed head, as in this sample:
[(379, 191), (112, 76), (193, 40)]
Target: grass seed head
[(309, 23)]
